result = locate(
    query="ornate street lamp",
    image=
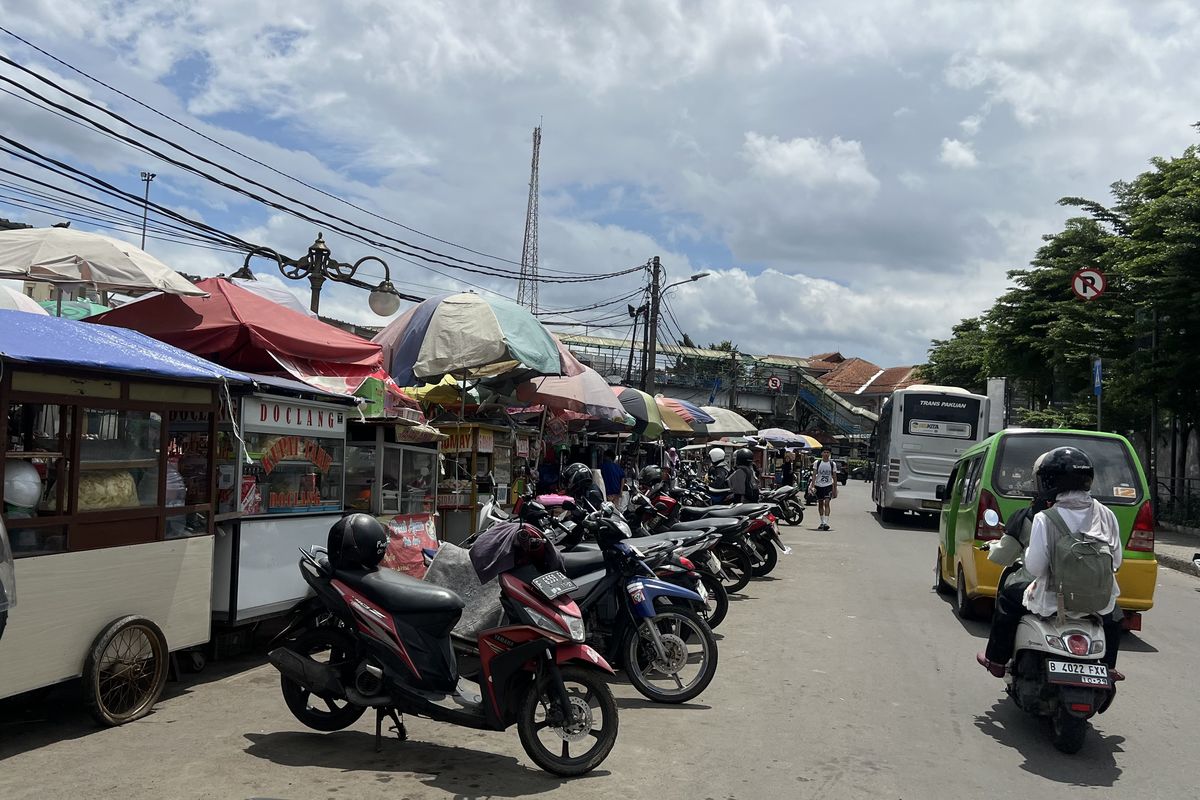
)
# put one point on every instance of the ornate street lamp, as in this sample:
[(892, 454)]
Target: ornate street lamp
[(318, 266)]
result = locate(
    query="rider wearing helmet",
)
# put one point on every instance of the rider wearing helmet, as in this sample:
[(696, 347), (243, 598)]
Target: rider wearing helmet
[(744, 480), (718, 473), (577, 481), (1063, 478)]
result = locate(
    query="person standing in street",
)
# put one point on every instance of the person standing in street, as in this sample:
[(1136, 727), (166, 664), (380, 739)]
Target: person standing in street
[(788, 478), (825, 480), (614, 477)]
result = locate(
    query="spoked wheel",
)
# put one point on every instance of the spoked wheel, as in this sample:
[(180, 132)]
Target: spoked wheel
[(690, 660), (770, 559), (574, 742), (717, 606), (126, 671), (736, 565), (1069, 731), (326, 646)]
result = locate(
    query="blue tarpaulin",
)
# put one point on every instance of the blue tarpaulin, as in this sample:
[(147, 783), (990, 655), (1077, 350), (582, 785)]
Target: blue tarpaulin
[(50, 341)]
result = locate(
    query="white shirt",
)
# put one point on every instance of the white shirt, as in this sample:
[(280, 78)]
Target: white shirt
[(1040, 598), (824, 472)]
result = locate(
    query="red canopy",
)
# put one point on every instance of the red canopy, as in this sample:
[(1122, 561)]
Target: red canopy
[(242, 330)]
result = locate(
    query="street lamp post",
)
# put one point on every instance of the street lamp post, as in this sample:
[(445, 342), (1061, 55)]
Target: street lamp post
[(146, 178), (318, 266), (656, 294)]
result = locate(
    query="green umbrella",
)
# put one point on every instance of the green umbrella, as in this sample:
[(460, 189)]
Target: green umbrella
[(641, 406), (73, 309)]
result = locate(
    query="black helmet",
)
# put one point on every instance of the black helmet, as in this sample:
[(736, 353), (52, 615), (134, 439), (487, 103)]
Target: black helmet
[(743, 455), (650, 475), (356, 541), (1064, 469), (576, 479)]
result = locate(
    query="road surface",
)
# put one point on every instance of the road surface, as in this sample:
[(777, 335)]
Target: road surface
[(844, 676)]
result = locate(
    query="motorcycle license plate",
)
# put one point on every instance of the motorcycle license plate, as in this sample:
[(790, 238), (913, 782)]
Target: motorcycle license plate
[(701, 590), (1076, 674), (553, 584)]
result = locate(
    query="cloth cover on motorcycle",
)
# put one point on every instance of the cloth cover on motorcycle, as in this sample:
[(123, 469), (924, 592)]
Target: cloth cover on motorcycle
[(498, 549), (1080, 567), (452, 569)]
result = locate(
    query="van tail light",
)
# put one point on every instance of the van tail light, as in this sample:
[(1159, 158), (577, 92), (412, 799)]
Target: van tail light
[(1141, 540), (983, 531)]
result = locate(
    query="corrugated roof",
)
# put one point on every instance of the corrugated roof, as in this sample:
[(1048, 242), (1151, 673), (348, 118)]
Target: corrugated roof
[(673, 349), (850, 375)]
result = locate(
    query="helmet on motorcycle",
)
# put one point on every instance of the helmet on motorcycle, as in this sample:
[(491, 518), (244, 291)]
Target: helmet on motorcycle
[(1064, 469), (576, 479), (716, 455), (356, 541), (22, 484), (743, 455), (650, 475)]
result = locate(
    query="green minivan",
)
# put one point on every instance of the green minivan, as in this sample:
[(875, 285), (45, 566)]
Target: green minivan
[(997, 475)]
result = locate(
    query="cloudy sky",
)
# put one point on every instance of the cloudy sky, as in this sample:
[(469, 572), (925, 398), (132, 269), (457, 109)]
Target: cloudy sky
[(855, 176)]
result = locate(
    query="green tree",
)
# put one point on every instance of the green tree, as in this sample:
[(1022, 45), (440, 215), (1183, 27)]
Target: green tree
[(961, 359)]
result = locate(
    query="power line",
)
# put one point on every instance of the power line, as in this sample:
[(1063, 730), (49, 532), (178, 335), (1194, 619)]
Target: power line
[(253, 160), (601, 304)]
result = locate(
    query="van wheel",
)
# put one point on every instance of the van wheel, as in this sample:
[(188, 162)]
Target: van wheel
[(963, 604), (939, 583)]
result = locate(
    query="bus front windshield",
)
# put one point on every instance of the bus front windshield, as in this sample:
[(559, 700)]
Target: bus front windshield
[(944, 416)]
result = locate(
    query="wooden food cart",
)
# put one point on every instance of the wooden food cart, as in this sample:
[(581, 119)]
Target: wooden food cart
[(109, 503)]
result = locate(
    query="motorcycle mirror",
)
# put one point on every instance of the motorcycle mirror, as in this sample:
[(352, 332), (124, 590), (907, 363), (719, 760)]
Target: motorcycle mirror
[(991, 518)]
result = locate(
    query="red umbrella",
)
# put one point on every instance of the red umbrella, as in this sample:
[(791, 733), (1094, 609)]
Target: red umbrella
[(243, 330)]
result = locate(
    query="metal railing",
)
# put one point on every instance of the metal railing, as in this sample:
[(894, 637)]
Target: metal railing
[(1178, 500)]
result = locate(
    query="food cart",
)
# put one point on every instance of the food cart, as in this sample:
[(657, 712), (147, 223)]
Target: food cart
[(284, 494), (477, 457), (109, 505)]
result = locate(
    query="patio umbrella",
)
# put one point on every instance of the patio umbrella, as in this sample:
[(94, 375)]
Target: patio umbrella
[(783, 438), (726, 423), (815, 444), (468, 336), (73, 309), (647, 417), (586, 393), (16, 301), (275, 294), (445, 392), (78, 258), (690, 413)]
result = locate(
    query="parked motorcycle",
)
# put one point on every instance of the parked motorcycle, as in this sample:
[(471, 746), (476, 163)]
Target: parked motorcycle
[(787, 503), (374, 638)]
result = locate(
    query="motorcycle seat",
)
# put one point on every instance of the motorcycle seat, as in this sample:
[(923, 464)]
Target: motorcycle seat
[(692, 513), (715, 524), (399, 593), (577, 563)]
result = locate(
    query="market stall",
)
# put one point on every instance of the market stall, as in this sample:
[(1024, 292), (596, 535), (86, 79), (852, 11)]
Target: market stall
[(476, 457), (109, 501)]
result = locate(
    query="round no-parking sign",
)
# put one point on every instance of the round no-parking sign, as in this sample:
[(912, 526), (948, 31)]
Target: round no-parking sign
[(1089, 283), (774, 383)]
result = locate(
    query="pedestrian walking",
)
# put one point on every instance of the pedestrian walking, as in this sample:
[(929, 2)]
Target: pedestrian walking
[(825, 480), (614, 477), (788, 478)]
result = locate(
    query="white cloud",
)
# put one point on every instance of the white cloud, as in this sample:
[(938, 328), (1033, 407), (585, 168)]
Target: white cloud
[(810, 161), (971, 125), (958, 155)]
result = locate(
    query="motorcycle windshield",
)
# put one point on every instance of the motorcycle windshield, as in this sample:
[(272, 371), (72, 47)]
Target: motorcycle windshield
[(8, 578)]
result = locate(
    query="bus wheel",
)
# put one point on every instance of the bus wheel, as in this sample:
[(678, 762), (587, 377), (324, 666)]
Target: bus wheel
[(125, 671), (939, 583)]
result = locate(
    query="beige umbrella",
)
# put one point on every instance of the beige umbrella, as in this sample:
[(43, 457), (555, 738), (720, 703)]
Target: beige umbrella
[(12, 299), (78, 258)]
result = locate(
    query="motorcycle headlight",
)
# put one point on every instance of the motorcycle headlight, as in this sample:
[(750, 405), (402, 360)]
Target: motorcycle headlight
[(575, 626), (546, 623)]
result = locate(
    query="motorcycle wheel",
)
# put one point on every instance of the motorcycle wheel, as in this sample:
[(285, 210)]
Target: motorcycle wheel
[(1069, 731), (593, 724), (794, 511), (689, 643), (328, 646), (770, 559), (718, 600), (736, 564)]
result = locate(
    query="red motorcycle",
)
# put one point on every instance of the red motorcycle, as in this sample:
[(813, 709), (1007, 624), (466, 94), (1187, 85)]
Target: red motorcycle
[(375, 638)]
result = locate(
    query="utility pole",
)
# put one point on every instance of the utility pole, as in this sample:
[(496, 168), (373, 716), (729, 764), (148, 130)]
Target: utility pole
[(733, 376), (652, 327), (146, 178)]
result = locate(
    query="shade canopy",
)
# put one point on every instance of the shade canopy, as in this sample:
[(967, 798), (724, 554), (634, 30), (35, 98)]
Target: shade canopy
[(586, 393), (243, 330), (79, 258), (688, 412), (725, 423), (468, 336), (783, 438), (48, 341), (13, 300), (276, 294), (648, 421)]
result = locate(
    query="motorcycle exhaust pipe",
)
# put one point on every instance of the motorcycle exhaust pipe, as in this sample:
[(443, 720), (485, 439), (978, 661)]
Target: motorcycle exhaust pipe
[(320, 679)]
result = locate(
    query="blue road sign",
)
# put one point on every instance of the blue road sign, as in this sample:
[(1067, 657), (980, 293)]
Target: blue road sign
[(1097, 375)]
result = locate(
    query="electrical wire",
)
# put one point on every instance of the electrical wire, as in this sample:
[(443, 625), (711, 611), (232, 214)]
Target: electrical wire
[(253, 160)]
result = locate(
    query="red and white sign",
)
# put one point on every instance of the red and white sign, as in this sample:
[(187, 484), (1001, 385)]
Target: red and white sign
[(270, 414), (774, 384), (1089, 283)]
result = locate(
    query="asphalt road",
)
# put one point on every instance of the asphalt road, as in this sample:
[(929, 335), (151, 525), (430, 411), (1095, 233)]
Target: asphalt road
[(843, 676)]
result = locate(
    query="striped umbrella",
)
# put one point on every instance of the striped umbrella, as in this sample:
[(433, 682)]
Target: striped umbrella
[(641, 406), (690, 413)]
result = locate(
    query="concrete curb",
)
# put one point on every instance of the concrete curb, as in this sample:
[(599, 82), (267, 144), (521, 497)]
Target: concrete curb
[(1176, 563)]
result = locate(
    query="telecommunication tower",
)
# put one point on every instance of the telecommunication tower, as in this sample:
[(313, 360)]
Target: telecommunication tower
[(527, 292)]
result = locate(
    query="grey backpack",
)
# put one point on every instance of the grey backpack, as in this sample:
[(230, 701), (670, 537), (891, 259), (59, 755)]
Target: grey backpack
[(1081, 569)]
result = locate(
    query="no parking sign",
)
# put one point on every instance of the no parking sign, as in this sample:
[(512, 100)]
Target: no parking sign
[(1088, 283)]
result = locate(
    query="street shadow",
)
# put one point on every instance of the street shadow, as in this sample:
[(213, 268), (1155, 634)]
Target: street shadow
[(909, 522), (979, 627), (1094, 765), (460, 771), (626, 703), (741, 598), (1131, 642)]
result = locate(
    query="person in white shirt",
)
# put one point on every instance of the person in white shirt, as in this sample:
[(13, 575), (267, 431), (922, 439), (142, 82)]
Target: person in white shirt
[(1065, 474), (825, 480)]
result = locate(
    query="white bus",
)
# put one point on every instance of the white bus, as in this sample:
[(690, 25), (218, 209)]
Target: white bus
[(921, 432)]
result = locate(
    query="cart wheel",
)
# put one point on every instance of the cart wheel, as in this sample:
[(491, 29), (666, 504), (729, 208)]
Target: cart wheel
[(197, 661), (125, 671)]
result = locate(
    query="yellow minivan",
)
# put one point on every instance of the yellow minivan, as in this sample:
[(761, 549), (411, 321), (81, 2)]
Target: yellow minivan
[(997, 475)]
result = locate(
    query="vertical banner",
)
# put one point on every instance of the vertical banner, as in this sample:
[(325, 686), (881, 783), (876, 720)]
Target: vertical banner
[(408, 535)]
